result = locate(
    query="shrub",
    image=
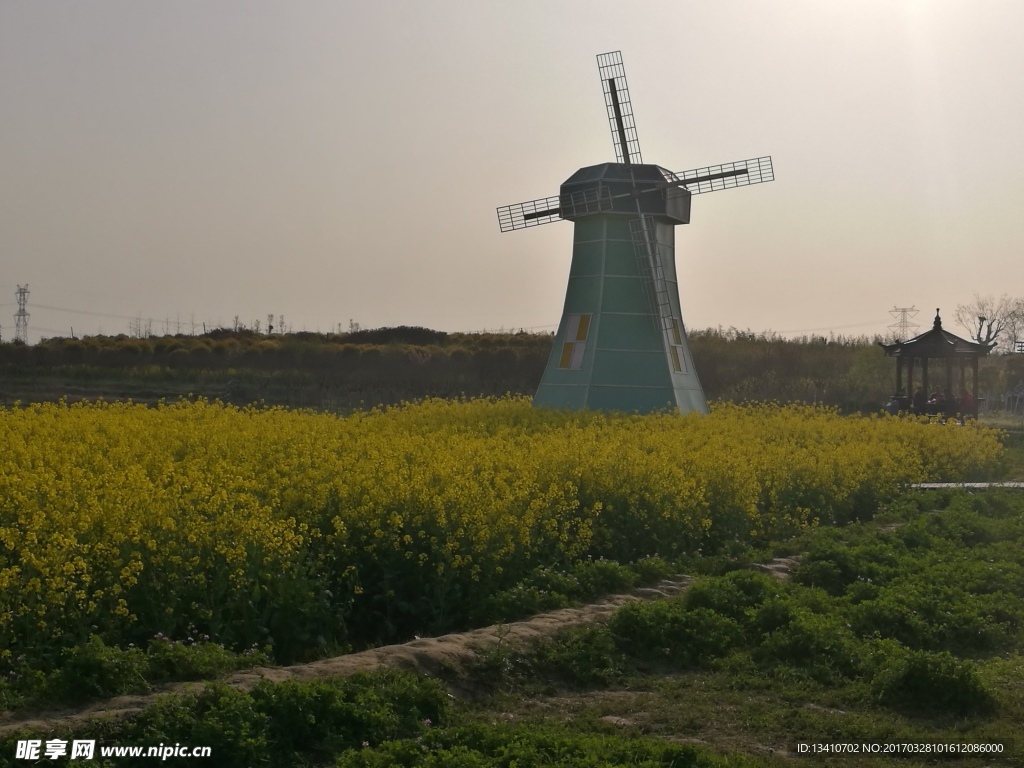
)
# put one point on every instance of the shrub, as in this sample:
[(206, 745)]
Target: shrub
[(169, 660), (919, 681), (821, 645), (278, 723), (733, 595), (584, 656), (224, 719), (94, 670), (667, 629), (482, 746)]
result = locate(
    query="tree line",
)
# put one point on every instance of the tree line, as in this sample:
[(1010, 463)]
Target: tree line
[(368, 367)]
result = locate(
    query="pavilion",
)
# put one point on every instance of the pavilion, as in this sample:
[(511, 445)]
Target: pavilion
[(952, 352)]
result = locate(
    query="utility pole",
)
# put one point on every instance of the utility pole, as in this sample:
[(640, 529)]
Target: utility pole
[(902, 328), (21, 316)]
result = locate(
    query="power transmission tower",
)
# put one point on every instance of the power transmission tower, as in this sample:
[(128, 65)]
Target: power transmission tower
[(21, 316), (903, 328)]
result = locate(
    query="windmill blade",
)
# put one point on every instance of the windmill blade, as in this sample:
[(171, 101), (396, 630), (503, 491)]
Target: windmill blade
[(545, 210), (620, 110), (532, 213), (716, 177)]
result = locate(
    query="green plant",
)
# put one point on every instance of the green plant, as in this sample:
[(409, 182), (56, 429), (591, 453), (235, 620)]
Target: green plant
[(224, 719), (94, 670), (584, 657), (821, 645), (733, 595), (919, 681), (170, 660), (667, 630)]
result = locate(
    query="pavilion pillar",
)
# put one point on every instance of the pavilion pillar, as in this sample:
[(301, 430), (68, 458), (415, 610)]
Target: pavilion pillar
[(924, 376), (974, 391), (910, 376), (950, 399), (899, 374)]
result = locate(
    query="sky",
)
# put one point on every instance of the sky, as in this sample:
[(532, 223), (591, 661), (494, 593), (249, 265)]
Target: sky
[(330, 161)]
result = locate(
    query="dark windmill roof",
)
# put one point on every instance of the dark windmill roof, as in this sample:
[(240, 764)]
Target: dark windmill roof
[(937, 343)]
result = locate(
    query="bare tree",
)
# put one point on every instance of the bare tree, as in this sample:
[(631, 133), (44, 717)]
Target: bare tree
[(990, 319)]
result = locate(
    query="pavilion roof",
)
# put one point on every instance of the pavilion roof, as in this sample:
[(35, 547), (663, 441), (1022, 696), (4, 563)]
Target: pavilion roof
[(937, 343)]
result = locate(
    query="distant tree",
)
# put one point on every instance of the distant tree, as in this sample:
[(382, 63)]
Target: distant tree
[(990, 319)]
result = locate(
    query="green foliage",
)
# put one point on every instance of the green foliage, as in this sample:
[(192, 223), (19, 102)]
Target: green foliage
[(931, 616), (388, 365), (668, 630), (834, 566), (821, 645), (892, 614), (583, 657), (733, 595), (546, 588), (852, 373), (169, 660), (222, 718), (282, 724), (945, 576), (402, 334), (341, 714), (483, 746), (918, 681), (93, 670), (580, 657)]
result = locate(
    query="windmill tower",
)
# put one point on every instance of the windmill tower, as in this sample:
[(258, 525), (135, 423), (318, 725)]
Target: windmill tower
[(621, 344)]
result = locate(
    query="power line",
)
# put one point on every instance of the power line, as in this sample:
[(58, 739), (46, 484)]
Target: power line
[(831, 327), (86, 312)]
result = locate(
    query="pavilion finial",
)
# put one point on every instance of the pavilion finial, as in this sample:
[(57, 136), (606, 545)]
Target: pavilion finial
[(938, 320)]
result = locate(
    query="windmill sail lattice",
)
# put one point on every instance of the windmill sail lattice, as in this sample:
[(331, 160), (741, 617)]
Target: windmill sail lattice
[(620, 109), (712, 178), (621, 343)]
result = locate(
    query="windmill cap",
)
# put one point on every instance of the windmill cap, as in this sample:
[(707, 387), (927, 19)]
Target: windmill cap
[(608, 189)]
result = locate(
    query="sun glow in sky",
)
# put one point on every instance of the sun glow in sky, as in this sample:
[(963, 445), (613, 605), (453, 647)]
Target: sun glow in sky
[(191, 162)]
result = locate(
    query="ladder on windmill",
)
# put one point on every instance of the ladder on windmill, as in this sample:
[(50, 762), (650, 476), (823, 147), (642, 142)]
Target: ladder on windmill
[(652, 272)]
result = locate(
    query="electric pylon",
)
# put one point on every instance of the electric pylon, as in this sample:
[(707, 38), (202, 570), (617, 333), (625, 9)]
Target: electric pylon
[(903, 328), (21, 316)]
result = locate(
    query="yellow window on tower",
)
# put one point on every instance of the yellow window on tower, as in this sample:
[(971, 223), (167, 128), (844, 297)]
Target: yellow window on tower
[(576, 333), (583, 327), (677, 334), (677, 364), (565, 360)]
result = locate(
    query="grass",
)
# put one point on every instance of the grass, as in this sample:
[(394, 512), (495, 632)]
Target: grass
[(819, 676), (1013, 457)]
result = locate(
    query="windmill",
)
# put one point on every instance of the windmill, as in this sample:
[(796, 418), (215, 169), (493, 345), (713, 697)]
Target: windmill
[(621, 344)]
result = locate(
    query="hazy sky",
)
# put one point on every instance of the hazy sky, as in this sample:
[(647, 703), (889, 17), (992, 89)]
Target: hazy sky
[(328, 160)]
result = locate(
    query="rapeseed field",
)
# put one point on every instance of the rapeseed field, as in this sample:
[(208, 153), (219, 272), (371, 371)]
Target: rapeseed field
[(304, 532)]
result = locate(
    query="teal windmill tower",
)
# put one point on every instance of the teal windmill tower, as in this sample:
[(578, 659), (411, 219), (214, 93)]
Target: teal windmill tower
[(621, 344)]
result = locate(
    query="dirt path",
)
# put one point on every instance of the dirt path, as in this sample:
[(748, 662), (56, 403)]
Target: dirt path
[(447, 655)]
